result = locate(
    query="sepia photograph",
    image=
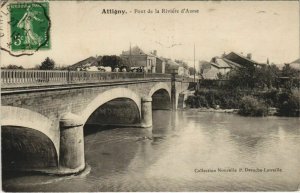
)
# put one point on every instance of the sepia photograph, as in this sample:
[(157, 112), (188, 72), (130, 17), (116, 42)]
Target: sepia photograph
[(150, 96)]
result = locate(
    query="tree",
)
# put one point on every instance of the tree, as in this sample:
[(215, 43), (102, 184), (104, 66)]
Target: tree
[(242, 78), (266, 75), (288, 71), (289, 104), (263, 76), (112, 61), (192, 70), (48, 64), (13, 66), (290, 76)]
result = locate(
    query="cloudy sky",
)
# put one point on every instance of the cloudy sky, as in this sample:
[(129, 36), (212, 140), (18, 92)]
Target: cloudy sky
[(79, 30)]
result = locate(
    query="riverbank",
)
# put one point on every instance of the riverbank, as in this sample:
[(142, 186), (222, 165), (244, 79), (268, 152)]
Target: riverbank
[(211, 110), (254, 103), (271, 111)]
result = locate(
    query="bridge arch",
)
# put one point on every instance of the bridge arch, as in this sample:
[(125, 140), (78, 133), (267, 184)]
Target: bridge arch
[(160, 86), (110, 95), (33, 134), (161, 96)]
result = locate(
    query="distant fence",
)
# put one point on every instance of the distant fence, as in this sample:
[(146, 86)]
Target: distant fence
[(19, 78)]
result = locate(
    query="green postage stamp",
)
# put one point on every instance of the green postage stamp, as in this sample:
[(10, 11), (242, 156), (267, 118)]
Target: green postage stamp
[(29, 26)]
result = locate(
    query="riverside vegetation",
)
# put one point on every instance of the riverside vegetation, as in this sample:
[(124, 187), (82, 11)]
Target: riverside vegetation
[(253, 91)]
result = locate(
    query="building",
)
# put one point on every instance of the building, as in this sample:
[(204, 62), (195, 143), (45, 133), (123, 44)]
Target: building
[(138, 58), (295, 64), (160, 65), (88, 62), (182, 71), (183, 68), (216, 67), (243, 61), (220, 66), (179, 67)]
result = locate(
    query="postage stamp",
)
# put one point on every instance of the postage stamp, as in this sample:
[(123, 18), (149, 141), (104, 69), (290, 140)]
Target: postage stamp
[(29, 26)]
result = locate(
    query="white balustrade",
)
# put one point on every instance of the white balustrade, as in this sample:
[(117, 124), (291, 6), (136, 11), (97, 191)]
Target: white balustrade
[(20, 78)]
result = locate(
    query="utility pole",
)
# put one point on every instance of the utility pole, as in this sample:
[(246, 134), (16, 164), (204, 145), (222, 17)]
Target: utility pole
[(194, 66), (195, 84), (130, 63)]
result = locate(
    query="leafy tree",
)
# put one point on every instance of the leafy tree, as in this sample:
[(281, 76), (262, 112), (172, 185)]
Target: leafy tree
[(48, 64), (263, 76), (266, 76), (242, 78), (289, 104), (113, 61), (13, 66), (289, 74), (289, 71), (192, 70)]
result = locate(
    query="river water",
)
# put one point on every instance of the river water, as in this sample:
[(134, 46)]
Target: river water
[(185, 151)]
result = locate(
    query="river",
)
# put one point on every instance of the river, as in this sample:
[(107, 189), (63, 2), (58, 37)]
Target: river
[(185, 151)]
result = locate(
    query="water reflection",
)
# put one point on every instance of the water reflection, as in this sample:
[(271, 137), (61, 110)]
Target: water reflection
[(164, 158)]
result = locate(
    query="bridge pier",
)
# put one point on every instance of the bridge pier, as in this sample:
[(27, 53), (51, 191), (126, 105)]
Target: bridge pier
[(173, 91), (146, 112), (71, 154)]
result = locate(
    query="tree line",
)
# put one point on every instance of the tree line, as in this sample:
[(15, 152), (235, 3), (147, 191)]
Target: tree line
[(47, 64), (261, 77), (253, 90), (112, 61)]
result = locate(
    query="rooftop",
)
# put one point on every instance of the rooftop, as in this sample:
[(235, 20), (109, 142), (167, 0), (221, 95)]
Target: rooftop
[(240, 59), (295, 64), (219, 62)]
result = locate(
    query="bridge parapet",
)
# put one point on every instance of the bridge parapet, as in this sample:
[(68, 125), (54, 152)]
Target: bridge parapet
[(21, 78)]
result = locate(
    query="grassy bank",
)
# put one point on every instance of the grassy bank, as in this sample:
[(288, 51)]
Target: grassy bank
[(249, 102)]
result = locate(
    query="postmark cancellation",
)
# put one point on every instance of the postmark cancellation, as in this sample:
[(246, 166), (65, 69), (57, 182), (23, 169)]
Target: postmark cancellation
[(29, 26)]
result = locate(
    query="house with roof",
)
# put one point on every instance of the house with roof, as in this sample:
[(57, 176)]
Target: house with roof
[(183, 71), (295, 64), (217, 66), (160, 65), (221, 64), (224, 64), (88, 62), (243, 61), (179, 67), (138, 58)]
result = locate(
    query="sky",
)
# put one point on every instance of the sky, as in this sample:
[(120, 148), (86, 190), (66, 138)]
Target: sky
[(267, 29)]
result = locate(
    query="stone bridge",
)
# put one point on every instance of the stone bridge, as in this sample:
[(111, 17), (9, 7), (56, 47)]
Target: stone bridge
[(43, 115)]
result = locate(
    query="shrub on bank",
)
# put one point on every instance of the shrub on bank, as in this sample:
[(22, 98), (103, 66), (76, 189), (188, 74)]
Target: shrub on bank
[(190, 101), (197, 102), (250, 106), (256, 103), (290, 105), (225, 99), (270, 97), (213, 98)]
